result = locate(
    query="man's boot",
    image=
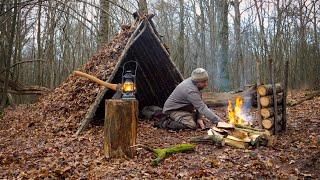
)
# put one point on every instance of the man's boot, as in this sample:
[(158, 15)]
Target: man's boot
[(167, 123)]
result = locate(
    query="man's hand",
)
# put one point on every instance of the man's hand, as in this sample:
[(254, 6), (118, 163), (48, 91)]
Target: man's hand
[(201, 124)]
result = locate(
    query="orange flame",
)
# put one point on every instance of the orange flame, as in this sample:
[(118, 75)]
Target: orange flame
[(236, 114)]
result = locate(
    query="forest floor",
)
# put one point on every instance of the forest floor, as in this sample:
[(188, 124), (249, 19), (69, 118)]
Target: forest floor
[(32, 146)]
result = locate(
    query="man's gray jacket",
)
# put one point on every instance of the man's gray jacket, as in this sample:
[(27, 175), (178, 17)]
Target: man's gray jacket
[(186, 94)]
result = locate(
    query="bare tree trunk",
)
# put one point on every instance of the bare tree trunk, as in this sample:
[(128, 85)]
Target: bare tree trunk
[(9, 54), (202, 36), (17, 44), (51, 51), (238, 42), (212, 28), (181, 59), (222, 45), (143, 7), (263, 41), (196, 37), (316, 81), (39, 55), (104, 22)]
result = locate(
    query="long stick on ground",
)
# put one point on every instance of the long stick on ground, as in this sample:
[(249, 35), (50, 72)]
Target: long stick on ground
[(308, 97)]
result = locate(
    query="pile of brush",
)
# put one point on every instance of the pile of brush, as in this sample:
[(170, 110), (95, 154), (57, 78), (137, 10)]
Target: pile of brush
[(238, 136)]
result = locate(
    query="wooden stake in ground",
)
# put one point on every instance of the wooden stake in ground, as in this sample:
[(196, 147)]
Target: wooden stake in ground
[(275, 102), (258, 95), (120, 128), (285, 91)]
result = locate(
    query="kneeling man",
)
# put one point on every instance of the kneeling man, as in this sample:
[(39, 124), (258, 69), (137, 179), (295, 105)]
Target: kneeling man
[(185, 106)]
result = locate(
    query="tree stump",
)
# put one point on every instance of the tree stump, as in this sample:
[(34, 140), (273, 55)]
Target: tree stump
[(120, 128)]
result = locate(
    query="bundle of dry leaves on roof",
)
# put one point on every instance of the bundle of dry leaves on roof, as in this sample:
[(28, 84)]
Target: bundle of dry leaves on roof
[(71, 100)]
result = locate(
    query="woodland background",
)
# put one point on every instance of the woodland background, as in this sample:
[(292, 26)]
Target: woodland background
[(43, 41)]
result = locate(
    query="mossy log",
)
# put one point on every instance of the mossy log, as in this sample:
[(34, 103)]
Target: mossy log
[(162, 153)]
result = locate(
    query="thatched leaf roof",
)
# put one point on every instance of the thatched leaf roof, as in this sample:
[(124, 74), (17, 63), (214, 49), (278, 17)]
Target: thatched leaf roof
[(157, 75)]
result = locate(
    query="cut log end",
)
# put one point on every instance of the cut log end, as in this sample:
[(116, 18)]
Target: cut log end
[(267, 101), (267, 123), (269, 112), (262, 90), (265, 113), (266, 89)]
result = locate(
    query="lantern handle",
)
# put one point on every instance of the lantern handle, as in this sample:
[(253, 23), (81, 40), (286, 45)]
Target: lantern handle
[(136, 67)]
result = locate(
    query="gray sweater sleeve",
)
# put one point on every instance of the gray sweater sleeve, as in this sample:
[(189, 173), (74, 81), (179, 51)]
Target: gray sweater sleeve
[(195, 99)]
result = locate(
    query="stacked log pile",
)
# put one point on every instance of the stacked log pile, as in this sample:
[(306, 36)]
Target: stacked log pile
[(272, 108)]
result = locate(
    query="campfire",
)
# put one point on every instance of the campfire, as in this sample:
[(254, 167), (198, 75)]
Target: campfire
[(238, 132), (237, 114)]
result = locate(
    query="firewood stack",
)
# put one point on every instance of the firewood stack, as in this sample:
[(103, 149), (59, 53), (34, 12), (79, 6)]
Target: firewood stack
[(237, 136), (267, 111)]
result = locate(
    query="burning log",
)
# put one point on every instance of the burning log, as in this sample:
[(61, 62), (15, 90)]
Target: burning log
[(268, 112), (267, 101), (266, 89)]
